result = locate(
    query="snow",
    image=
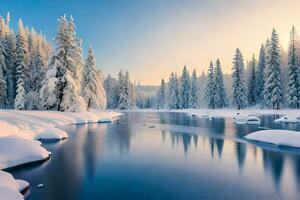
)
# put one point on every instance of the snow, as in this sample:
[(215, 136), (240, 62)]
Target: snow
[(18, 131), (10, 188), (30, 124), (10, 194), (288, 119), (16, 151), (233, 112), (51, 134), (277, 137)]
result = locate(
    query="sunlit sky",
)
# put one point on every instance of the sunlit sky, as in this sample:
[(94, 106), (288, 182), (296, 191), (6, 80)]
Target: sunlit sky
[(151, 38)]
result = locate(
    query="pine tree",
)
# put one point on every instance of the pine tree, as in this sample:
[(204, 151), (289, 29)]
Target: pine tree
[(294, 71), (173, 92), (185, 89), (194, 101), (210, 88), (161, 95), (111, 87), (3, 96), (220, 92), (93, 91), (123, 91), (61, 90), (252, 81), (273, 89), (239, 86), (202, 84), (259, 86), (21, 67)]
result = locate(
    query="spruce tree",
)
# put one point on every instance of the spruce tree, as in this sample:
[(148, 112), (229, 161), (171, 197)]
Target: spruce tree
[(93, 91), (194, 100), (123, 92), (161, 95), (3, 96), (252, 82), (210, 88), (173, 92), (220, 92), (239, 86), (111, 87), (21, 67), (185, 89), (294, 71), (273, 90), (259, 86), (61, 90)]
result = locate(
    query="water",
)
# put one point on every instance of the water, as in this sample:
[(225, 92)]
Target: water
[(164, 156)]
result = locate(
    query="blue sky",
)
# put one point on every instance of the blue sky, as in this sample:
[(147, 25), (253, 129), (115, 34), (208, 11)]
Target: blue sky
[(151, 38)]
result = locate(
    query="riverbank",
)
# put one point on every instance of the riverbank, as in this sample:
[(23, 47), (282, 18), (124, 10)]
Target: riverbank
[(19, 131)]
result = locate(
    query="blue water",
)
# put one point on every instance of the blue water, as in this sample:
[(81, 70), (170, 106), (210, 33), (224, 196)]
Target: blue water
[(165, 156)]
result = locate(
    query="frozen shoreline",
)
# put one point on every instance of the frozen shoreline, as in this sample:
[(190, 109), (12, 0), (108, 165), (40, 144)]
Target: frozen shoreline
[(19, 132)]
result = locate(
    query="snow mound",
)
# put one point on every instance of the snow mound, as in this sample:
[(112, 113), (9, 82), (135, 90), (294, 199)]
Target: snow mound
[(10, 188), (277, 137), (288, 119), (15, 152), (52, 134), (10, 194)]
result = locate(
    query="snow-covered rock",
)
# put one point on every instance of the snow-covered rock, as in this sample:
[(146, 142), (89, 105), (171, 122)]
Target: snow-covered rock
[(277, 137), (252, 120), (226, 112), (10, 188), (16, 151), (51, 134), (288, 119)]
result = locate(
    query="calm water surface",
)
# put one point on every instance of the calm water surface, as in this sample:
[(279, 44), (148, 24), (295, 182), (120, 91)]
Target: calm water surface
[(165, 156)]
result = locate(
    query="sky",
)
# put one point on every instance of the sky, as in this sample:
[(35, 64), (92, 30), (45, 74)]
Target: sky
[(152, 38)]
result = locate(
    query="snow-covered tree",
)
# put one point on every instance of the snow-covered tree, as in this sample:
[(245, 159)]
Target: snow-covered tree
[(61, 90), (3, 96), (194, 100), (252, 81), (259, 86), (210, 88), (220, 92), (273, 90), (202, 84), (173, 92), (123, 91), (294, 70), (21, 67), (93, 91), (239, 86), (161, 95), (185, 89), (111, 88)]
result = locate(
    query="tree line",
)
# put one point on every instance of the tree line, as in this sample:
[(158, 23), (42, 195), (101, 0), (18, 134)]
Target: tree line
[(261, 84)]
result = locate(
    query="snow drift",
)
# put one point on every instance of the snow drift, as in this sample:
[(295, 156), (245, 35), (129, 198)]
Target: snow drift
[(16, 151), (276, 137), (10, 188)]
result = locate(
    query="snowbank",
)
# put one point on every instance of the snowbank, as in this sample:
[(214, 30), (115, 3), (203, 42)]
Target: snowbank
[(29, 124), (51, 134), (10, 188), (277, 137), (16, 151), (18, 129)]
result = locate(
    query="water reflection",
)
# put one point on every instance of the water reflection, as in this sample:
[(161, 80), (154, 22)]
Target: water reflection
[(117, 161)]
